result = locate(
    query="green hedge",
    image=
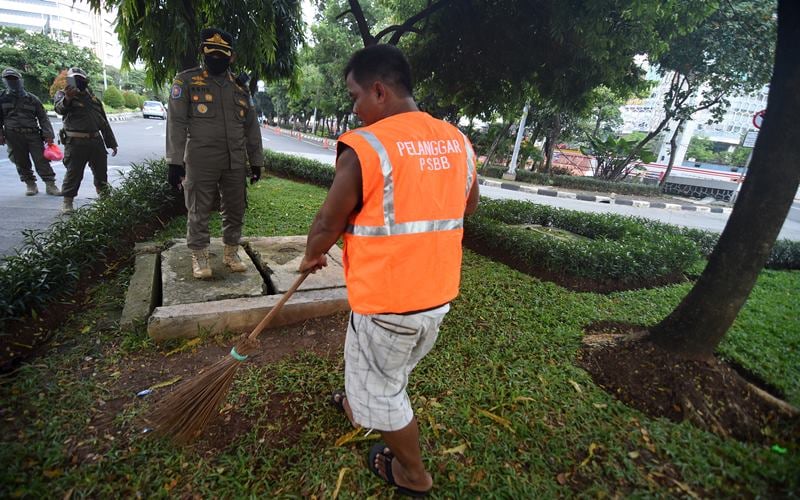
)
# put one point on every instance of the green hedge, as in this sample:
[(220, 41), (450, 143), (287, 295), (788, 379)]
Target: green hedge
[(618, 252), (587, 183), (50, 262), (494, 172), (294, 167), (785, 254)]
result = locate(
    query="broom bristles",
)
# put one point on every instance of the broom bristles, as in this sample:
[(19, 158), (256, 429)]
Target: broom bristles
[(184, 413)]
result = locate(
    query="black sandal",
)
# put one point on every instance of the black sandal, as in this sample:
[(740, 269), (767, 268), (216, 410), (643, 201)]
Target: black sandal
[(388, 456), (337, 399)]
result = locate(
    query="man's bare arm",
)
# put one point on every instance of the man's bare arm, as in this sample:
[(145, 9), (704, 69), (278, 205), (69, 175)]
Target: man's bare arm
[(344, 197)]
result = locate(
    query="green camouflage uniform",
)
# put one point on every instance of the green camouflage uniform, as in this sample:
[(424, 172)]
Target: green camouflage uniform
[(213, 130), (24, 125), (84, 132)]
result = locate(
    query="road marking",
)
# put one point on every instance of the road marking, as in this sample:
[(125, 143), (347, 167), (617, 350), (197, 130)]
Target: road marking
[(148, 128)]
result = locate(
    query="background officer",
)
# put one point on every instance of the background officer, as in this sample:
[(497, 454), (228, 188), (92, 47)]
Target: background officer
[(212, 134), (86, 134), (23, 126)]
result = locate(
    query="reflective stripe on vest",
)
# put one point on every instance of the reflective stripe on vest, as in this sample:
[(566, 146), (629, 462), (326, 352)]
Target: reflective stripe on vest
[(390, 227)]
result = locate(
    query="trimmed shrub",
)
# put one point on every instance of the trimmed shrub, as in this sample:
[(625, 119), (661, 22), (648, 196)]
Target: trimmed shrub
[(131, 99), (587, 183), (785, 254), (50, 262), (617, 253), (113, 97), (494, 172), (294, 167)]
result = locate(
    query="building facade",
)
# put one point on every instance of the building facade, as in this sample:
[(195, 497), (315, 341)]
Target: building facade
[(66, 21)]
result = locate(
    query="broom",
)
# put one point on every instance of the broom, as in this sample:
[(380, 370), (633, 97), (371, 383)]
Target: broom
[(184, 413)]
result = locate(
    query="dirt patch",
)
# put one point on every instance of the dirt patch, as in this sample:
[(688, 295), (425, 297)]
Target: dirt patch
[(574, 283), (322, 336), (710, 394)]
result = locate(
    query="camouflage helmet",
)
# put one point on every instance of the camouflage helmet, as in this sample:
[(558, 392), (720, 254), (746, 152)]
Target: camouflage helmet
[(11, 72), (75, 71)]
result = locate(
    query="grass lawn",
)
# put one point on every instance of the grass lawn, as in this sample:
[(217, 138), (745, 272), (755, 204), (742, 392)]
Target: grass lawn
[(504, 412)]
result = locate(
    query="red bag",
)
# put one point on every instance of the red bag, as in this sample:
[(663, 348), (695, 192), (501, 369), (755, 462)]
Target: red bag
[(52, 152)]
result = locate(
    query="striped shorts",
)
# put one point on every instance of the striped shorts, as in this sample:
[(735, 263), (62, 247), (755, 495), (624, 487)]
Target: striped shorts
[(380, 351)]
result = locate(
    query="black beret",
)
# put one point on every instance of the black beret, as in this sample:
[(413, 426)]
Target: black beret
[(214, 40)]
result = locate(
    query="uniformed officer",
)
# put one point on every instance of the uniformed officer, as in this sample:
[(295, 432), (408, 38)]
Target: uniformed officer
[(23, 126), (86, 134), (212, 135)]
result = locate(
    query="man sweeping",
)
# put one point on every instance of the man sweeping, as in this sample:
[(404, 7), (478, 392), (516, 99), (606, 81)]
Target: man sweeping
[(403, 184)]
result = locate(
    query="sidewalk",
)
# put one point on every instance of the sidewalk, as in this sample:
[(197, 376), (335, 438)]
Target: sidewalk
[(608, 198)]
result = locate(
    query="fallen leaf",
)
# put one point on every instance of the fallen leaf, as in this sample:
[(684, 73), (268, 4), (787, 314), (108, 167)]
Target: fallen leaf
[(562, 478), (576, 386), (500, 420), (86, 329), (166, 383), (347, 437), (600, 406), (188, 345), (342, 472), (633, 454), (53, 473), (478, 477), (460, 449), (592, 448), (523, 399)]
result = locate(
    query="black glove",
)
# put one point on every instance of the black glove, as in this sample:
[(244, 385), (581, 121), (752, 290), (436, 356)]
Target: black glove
[(255, 174), (176, 172)]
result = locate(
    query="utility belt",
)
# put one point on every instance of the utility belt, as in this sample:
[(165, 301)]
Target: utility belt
[(81, 135), (23, 130)]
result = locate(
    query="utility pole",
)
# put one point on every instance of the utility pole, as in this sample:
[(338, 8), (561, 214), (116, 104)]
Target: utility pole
[(512, 167)]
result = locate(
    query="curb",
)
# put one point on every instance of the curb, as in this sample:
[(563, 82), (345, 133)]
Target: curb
[(601, 198), (320, 141)]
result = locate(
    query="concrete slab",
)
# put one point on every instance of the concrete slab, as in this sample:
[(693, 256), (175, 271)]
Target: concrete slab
[(242, 315), (143, 290), (280, 256), (180, 287)]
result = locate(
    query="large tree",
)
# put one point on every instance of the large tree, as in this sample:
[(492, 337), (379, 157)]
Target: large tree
[(700, 321), (41, 59), (730, 53), (165, 35)]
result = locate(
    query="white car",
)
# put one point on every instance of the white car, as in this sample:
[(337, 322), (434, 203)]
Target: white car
[(154, 108)]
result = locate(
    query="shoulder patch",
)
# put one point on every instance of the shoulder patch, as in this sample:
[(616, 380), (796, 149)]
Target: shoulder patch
[(177, 91)]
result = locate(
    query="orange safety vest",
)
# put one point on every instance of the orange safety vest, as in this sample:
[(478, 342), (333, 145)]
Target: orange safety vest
[(402, 250)]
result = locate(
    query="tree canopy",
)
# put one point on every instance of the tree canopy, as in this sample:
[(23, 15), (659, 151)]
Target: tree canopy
[(165, 35)]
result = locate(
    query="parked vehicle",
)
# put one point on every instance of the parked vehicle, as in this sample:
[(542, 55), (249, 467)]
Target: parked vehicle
[(154, 108)]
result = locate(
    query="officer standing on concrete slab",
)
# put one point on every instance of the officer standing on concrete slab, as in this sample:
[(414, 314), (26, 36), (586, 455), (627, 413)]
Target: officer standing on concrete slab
[(23, 126), (85, 134), (212, 135)]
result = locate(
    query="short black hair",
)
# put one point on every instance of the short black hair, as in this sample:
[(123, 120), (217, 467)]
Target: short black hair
[(380, 62)]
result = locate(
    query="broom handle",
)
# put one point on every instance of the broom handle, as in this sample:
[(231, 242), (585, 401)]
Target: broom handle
[(277, 308)]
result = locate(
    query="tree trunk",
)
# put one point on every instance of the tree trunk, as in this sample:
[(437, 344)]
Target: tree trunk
[(497, 140), (673, 152), (698, 324), (550, 143)]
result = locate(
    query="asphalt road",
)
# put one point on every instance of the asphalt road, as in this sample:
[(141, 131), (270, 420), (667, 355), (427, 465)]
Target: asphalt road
[(141, 139)]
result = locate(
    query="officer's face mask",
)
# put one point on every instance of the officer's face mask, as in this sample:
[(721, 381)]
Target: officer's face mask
[(216, 65), (81, 83), (13, 84)]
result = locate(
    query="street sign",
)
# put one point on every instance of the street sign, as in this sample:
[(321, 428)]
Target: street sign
[(758, 118), (750, 139)]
